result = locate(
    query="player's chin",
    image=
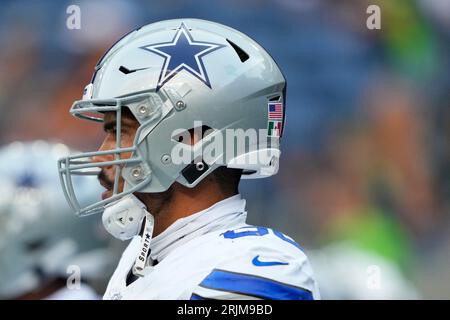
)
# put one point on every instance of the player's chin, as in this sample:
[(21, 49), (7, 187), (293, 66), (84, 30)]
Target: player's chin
[(109, 193)]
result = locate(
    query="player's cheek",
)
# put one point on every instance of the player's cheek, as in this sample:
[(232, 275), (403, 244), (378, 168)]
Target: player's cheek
[(127, 140)]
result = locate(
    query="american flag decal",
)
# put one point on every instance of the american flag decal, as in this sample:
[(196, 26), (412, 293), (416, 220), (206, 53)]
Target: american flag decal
[(275, 110)]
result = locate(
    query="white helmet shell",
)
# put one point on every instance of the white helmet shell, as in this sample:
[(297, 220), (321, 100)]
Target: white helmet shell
[(178, 75)]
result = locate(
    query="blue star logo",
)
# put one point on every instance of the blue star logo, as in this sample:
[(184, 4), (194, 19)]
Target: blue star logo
[(183, 53), (27, 180)]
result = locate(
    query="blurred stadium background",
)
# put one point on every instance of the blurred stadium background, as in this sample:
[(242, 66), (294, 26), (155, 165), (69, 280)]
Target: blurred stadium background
[(364, 181)]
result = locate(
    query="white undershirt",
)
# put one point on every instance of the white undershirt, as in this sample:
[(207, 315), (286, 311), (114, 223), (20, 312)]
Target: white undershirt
[(220, 215)]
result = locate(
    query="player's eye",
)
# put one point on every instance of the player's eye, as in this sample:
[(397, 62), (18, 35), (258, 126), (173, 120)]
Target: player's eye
[(111, 130)]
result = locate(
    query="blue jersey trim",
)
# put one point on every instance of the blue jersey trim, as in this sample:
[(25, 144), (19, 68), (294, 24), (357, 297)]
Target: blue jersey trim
[(197, 297), (255, 286)]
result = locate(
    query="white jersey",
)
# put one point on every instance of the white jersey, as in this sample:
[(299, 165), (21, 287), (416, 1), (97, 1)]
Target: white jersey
[(214, 254), (84, 292)]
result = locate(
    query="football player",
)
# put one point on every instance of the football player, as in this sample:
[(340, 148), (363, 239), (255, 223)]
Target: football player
[(46, 252), (169, 94)]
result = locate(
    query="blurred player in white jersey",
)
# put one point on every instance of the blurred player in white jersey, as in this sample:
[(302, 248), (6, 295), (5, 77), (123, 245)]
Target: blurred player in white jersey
[(46, 252)]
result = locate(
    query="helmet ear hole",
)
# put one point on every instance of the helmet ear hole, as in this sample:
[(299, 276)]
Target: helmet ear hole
[(188, 136)]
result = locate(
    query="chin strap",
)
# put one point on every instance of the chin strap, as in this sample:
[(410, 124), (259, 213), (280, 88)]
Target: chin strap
[(141, 267), (123, 218)]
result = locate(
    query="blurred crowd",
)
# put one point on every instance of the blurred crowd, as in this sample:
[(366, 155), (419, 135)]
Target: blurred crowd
[(364, 181)]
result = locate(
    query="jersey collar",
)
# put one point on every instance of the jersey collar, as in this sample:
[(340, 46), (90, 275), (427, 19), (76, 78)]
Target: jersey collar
[(223, 214)]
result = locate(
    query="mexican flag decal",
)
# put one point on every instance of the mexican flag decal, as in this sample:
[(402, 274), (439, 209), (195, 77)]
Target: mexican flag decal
[(274, 128)]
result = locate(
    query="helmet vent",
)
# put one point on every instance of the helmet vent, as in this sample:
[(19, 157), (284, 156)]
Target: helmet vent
[(125, 70), (275, 99), (241, 53)]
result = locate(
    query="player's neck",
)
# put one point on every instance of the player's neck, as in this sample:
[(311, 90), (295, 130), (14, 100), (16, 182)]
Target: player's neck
[(185, 202)]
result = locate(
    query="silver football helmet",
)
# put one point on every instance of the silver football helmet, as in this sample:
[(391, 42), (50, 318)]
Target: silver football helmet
[(39, 236), (174, 76)]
